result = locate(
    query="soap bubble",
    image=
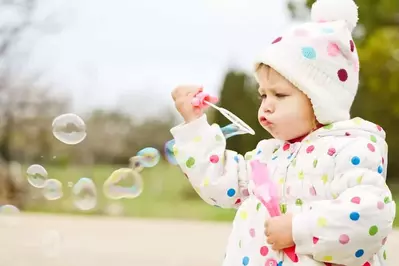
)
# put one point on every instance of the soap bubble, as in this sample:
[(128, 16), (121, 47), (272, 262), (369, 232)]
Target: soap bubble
[(69, 129), (50, 243), (135, 163), (9, 210), (232, 130), (52, 189), (123, 183), (84, 194), (36, 175), (9, 215), (170, 152), (149, 157)]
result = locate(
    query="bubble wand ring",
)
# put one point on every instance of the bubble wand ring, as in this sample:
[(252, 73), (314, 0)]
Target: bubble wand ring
[(203, 100)]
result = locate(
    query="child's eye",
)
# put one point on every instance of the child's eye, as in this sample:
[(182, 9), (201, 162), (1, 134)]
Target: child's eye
[(279, 95), (262, 96)]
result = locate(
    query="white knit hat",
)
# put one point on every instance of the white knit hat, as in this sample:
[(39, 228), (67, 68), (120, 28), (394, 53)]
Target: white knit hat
[(320, 58)]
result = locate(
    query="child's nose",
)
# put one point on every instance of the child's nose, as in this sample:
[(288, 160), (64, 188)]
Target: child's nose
[(268, 106)]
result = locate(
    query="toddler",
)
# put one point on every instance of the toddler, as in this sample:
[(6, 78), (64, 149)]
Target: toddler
[(330, 170)]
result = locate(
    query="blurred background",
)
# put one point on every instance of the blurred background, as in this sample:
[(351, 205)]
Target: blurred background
[(112, 66)]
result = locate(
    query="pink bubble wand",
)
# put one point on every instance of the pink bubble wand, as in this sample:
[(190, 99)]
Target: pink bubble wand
[(202, 100), (266, 191)]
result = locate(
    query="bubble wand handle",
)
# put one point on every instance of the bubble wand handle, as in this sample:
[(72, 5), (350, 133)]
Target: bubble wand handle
[(203, 100), (266, 191)]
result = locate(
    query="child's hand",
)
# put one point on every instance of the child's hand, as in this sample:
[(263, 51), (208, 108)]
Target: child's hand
[(278, 231), (183, 96)]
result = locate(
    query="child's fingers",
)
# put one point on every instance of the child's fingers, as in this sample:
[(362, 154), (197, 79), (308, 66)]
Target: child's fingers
[(195, 102), (266, 228), (191, 93), (185, 90), (200, 89), (194, 91)]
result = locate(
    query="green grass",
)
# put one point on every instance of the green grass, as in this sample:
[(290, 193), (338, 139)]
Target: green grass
[(166, 194)]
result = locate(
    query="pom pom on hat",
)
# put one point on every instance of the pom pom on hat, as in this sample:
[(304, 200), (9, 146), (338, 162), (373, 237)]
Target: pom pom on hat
[(334, 10)]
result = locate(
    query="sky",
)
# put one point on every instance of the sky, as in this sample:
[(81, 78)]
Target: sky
[(130, 54)]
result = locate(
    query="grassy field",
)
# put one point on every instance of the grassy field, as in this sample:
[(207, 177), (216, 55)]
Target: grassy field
[(166, 194)]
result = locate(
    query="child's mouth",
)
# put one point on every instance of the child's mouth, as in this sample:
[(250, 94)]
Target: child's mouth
[(264, 121)]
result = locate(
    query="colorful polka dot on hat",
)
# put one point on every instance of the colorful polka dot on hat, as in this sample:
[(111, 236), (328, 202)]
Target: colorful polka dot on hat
[(320, 58)]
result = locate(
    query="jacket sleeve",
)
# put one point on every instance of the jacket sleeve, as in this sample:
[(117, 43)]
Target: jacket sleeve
[(352, 227), (219, 176)]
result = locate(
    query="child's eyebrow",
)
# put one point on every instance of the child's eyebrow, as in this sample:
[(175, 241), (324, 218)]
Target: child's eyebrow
[(264, 90)]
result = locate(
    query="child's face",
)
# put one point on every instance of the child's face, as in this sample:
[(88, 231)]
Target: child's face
[(285, 112)]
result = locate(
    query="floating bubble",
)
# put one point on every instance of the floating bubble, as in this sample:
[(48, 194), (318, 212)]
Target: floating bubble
[(51, 243), (84, 194), (149, 157), (169, 150), (69, 129), (36, 175), (136, 164), (52, 189), (232, 130), (123, 183), (9, 214), (9, 210)]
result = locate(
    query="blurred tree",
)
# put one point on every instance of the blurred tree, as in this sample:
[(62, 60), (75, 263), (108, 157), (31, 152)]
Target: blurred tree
[(122, 135), (10, 32), (111, 128), (153, 132), (19, 91), (33, 109), (17, 20)]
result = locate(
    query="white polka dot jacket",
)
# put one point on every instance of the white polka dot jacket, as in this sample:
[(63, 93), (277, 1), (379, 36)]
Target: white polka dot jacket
[(333, 182)]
